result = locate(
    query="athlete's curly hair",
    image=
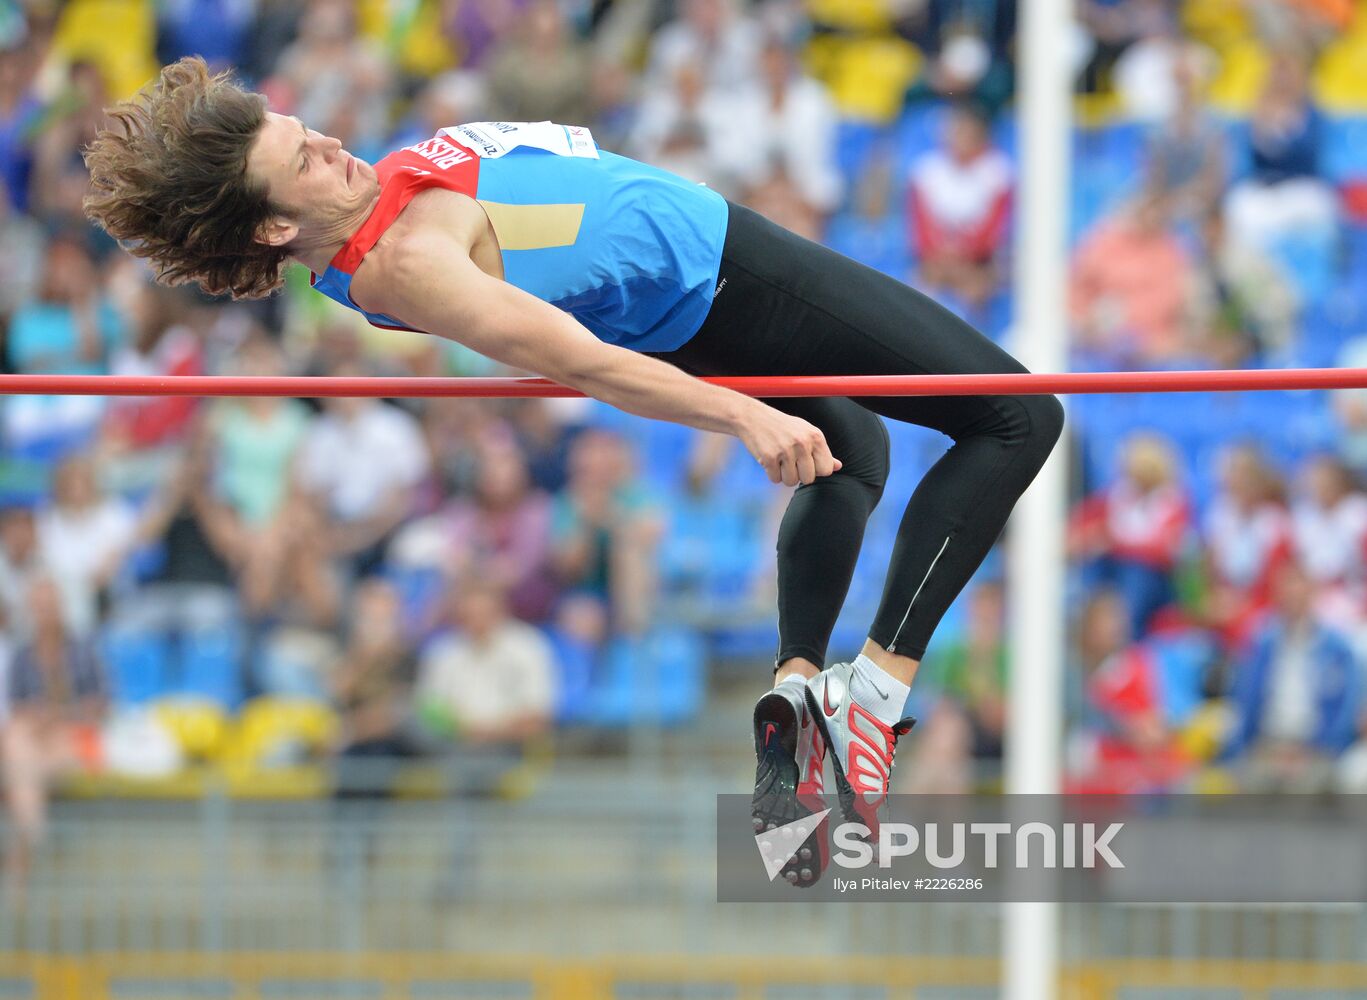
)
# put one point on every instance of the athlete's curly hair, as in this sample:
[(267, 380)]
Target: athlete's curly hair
[(169, 181)]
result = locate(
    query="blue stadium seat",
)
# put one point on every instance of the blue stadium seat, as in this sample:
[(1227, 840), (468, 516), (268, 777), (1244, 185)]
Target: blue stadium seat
[(917, 131), (574, 672), (1343, 141), (855, 142), (658, 678), (1182, 659), (138, 664), (211, 667), (711, 547)]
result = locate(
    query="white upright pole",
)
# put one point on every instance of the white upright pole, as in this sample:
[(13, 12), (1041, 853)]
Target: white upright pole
[(1035, 546)]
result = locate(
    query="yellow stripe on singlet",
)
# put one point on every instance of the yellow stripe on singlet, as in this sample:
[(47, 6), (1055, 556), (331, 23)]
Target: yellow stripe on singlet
[(534, 227)]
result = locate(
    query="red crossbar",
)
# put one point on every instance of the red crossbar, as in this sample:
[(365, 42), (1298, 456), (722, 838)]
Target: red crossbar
[(767, 386)]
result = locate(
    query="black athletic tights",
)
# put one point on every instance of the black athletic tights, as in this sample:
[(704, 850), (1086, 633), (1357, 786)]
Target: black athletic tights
[(788, 306)]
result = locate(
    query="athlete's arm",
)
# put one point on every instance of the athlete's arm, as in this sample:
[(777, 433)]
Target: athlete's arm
[(430, 283)]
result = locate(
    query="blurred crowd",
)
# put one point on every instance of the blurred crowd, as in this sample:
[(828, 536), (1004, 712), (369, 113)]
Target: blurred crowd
[(263, 582)]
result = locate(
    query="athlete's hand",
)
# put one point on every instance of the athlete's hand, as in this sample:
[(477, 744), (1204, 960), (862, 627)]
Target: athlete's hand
[(791, 450)]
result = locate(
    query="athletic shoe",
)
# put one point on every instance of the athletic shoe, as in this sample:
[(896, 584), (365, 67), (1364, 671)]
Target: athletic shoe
[(790, 755), (862, 745)]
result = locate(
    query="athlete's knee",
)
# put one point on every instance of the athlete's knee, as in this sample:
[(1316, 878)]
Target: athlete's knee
[(1046, 421), (870, 468), (1030, 423)]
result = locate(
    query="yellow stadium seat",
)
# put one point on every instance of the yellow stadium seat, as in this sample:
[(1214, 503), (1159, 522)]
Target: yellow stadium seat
[(1219, 24), (267, 726), (1207, 731), (867, 77), (1242, 70), (1340, 81), (199, 727), (118, 36)]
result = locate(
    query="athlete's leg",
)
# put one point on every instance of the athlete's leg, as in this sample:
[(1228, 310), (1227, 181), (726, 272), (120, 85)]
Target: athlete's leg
[(822, 530), (792, 307)]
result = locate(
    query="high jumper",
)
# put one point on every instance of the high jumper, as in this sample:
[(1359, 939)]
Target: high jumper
[(528, 243)]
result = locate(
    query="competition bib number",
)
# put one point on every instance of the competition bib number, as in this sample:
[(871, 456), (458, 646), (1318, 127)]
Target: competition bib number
[(490, 140)]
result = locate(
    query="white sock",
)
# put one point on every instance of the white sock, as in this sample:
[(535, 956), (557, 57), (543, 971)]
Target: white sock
[(793, 684), (869, 683)]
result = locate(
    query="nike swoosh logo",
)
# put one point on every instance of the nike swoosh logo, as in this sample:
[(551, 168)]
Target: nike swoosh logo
[(769, 730), (826, 701), (866, 677)]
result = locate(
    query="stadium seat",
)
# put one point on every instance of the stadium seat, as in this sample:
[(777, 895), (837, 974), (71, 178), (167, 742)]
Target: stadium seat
[(211, 667), (574, 674), (657, 678), (138, 664)]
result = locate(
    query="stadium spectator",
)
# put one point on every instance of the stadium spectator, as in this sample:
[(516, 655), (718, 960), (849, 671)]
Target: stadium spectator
[(681, 127), (249, 511), (71, 327), (604, 532), (1131, 741), (85, 535), (778, 143), (489, 681), (21, 565), (1186, 153), (540, 71), (360, 465), (1247, 532), (254, 441), (23, 249), (57, 698), (1156, 74), (59, 180), (336, 80), (453, 428), (1131, 534), (1285, 199), (139, 430), (959, 201), (189, 592), (20, 109), (1246, 304), (714, 36), (502, 531), (1132, 290), (1329, 522), (371, 682), (544, 432), (1297, 692)]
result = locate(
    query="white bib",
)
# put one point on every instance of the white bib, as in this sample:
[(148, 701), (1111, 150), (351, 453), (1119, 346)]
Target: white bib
[(490, 140)]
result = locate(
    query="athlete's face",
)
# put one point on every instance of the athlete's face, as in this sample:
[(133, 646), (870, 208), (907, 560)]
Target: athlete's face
[(317, 184)]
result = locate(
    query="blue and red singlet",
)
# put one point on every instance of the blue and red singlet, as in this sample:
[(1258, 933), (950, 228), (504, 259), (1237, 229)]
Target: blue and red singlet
[(629, 250)]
